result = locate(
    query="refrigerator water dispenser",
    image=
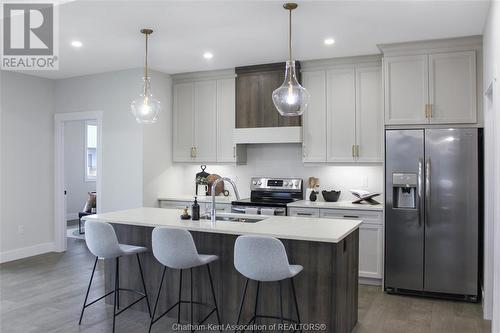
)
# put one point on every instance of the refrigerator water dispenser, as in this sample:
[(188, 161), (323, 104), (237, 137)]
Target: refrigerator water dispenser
[(404, 190)]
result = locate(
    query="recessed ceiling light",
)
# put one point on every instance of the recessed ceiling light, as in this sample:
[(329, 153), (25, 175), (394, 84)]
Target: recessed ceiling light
[(329, 41), (208, 55), (76, 43)]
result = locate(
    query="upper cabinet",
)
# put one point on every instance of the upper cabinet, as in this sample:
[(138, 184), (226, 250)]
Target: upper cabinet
[(204, 118), (344, 121), (431, 82)]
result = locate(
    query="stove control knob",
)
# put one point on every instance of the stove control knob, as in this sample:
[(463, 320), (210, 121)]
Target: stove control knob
[(290, 184), (254, 182), (285, 183), (259, 183)]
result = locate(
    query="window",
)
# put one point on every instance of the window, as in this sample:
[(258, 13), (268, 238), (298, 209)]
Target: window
[(90, 150)]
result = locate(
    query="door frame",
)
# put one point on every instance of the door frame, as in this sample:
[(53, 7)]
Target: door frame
[(60, 227)]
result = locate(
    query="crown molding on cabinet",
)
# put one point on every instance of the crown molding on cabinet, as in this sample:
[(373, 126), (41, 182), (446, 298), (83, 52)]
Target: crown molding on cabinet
[(204, 75), (432, 46), (343, 62)]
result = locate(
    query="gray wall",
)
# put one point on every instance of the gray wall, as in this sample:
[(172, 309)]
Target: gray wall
[(74, 168), (27, 153)]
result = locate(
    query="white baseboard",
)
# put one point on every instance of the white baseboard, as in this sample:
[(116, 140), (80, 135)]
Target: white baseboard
[(370, 281), (71, 216), (26, 252)]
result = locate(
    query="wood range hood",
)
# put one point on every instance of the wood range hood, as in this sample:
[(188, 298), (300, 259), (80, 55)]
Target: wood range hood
[(257, 120)]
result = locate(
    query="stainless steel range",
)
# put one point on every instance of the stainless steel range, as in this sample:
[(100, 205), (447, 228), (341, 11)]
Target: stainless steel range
[(269, 196)]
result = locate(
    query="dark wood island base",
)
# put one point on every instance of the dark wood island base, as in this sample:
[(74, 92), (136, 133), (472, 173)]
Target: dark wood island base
[(327, 288)]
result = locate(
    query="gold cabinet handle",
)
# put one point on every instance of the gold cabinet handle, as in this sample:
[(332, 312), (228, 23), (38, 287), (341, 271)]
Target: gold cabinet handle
[(426, 110), (353, 150), (430, 110), (193, 152), (234, 151), (357, 151)]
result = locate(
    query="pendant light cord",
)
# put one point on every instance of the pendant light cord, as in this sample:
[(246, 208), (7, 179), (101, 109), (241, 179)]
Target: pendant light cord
[(290, 34), (146, 58)]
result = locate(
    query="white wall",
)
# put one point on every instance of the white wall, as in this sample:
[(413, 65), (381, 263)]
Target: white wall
[(74, 168), (27, 165), (491, 52), (283, 160), (122, 137)]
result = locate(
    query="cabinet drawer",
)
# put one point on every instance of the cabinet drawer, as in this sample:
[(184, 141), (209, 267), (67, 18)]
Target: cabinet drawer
[(303, 212), (373, 217)]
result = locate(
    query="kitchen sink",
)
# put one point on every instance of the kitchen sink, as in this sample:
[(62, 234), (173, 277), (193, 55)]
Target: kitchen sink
[(235, 219)]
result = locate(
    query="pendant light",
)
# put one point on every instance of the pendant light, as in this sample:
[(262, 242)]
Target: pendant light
[(291, 99), (146, 108)]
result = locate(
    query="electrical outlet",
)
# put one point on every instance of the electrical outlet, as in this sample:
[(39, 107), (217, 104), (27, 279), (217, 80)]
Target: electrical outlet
[(365, 182), (20, 229)]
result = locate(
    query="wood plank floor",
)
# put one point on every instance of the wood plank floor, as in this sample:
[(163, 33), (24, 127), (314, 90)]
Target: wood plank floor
[(45, 294)]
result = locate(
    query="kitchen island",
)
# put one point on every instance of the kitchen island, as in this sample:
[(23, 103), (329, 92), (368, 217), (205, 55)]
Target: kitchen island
[(327, 289)]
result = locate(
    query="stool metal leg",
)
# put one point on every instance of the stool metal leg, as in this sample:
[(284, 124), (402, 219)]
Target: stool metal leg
[(213, 295), (115, 302), (281, 307), (296, 303), (118, 283), (191, 298), (256, 304), (88, 290), (144, 284), (157, 299), (180, 294), (241, 304)]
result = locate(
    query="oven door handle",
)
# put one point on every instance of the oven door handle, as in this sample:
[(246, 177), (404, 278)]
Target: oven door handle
[(238, 209)]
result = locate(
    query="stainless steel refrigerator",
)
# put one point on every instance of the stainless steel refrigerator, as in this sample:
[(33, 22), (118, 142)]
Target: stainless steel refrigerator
[(432, 212)]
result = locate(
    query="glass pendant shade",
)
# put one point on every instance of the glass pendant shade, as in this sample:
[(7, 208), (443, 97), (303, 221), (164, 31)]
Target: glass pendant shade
[(291, 99), (145, 108)]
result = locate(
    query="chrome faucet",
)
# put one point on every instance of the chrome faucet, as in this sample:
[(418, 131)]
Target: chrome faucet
[(214, 184)]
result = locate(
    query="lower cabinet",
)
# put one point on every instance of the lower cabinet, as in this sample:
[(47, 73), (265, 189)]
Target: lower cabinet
[(371, 231)]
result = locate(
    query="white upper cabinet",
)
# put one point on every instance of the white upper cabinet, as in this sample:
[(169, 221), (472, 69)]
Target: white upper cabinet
[(226, 150), (344, 121), (314, 119), (204, 118), (406, 89), (452, 87), (369, 116), (183, 122), (205, 105), (341, 115), (432, 82)]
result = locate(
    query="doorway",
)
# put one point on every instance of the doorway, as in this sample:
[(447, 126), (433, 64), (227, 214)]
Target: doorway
[(78, 160)]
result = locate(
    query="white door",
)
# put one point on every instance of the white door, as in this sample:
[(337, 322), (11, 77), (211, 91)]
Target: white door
[(452, 87), (183, 122), (226, 151), (370, 250), (340, 115), (205, 105), (406, 89), (314, 119), (369, 118)]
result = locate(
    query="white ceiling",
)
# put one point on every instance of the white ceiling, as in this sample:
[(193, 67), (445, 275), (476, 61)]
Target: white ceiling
[(246, 32)]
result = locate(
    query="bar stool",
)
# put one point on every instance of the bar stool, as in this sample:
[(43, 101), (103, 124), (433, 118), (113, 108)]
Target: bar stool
[(175, 248), (249, 254), (102, 242)]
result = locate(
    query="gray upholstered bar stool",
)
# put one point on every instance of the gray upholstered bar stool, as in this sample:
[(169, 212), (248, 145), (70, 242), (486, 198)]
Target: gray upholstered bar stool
[(264, 259), (102, 242), (175, 248)]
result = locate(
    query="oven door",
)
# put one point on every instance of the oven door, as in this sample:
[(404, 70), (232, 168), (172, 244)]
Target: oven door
[(256, 210)]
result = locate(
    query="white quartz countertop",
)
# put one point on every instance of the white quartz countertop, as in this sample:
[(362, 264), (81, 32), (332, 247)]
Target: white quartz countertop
[(335, 205), (284, 227), (202, 199)]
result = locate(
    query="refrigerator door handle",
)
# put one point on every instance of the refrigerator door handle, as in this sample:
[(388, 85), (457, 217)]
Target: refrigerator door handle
[(419, 190), (427, 189)]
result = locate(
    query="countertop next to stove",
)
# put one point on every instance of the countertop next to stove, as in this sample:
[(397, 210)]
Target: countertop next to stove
[(335, 205), (284, 227)]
